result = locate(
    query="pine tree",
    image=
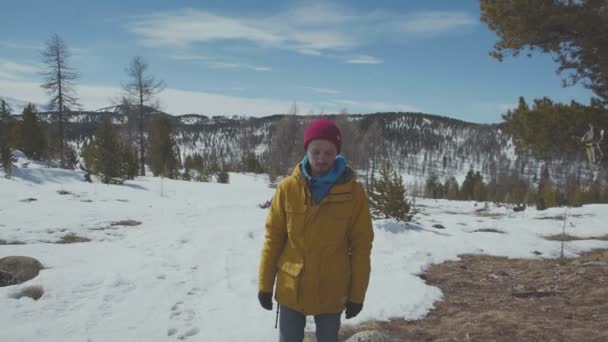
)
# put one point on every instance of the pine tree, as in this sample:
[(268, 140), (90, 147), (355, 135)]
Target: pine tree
[(387, 198), (129, 160), (222, 176), (32, 138), (433, 187), (107, 151), (88, 156), (163, 148), (6, 155), (547, 196), (451, 188), (466, 190), (479, 188)]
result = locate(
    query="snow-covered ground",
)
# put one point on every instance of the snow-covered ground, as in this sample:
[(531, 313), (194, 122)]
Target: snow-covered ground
[(189, 270)]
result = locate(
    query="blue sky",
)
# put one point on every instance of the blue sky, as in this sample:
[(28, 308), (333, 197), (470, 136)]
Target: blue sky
[(256, 58)]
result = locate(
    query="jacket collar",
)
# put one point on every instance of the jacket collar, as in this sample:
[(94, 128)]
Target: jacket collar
[(347, 175)]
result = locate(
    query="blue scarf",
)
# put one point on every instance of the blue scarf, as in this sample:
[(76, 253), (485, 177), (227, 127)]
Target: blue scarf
[(320, 185)]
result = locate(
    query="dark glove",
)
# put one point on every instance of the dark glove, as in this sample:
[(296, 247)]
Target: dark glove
[(265, 299), (352, 309)]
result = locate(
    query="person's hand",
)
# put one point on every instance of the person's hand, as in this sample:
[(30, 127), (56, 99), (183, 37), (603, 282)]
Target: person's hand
[(352, 309), (265, 299)]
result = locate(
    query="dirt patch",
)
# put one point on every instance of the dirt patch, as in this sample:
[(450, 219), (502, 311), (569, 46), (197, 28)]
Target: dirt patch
[(73, 238), (561, 217), (11, 242), (567, 237), (488, 230), (498, 299), (125, 223)]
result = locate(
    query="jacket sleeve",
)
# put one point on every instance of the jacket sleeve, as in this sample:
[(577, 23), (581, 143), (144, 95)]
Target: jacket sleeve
[(274, 240), (360, 236)]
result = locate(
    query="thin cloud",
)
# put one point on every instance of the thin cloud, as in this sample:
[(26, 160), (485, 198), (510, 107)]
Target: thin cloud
[(290, 30), (324, 90), (363, 59), (224, 65), (13, 70), (311, 30), (188, 57), (173, 101), (26, 45), (373, 106), (434, 22), (177, 101)]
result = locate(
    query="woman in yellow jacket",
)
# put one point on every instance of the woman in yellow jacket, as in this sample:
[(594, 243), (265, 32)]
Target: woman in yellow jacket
[(318, 241)]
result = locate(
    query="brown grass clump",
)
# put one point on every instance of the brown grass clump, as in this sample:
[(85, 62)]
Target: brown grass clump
[(126, 223), (11, 242), (488, 230), (567, 237), (73, 238), (482, 301)]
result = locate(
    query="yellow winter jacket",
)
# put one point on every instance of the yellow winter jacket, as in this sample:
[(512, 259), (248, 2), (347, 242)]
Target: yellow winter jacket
[(318, 253)]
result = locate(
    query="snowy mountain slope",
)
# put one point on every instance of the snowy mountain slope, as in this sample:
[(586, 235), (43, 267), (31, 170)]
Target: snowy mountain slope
[(189, 270), (419, 144)]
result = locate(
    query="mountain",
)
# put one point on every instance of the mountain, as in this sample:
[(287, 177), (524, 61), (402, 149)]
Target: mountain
[(17, 105), (418, 144)]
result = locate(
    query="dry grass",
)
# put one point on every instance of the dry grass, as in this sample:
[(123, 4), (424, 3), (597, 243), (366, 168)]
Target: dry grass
[(126, 223), (488, 230), (73, 238), (479, 305), (11, 242), (561, 217), (567, 237)]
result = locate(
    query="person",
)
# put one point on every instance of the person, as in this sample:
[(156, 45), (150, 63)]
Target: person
[(318, 241)]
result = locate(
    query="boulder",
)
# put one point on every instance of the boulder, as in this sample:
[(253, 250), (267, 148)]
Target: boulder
[(6, 278), (20, 268)]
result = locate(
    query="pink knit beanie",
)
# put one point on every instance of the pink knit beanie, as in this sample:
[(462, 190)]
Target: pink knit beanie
[(323, 129)]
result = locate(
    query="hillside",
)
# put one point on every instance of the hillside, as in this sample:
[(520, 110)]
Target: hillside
[(418, 144)]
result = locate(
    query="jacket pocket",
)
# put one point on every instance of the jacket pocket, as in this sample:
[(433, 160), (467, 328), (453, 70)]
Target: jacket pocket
[(335, 276), (336, 222), (288, 280), (295, 218)]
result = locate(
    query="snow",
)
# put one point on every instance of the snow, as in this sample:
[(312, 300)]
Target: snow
[(189, 270)]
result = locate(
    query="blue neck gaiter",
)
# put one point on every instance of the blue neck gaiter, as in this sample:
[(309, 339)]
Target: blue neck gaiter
[(320, 185)]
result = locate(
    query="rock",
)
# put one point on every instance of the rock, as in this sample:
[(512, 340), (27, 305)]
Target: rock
[(6, 278), (21, 268), (369, 336), (438, 226)]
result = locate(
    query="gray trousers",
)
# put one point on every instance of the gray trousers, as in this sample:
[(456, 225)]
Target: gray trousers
[(292, 324)]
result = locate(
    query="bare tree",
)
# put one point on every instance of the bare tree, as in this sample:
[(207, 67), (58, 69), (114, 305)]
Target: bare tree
[(142, 87), (58, 83)]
